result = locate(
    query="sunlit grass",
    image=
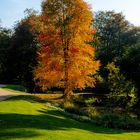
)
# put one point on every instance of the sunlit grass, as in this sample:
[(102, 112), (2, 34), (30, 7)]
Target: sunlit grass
[(26, 117)]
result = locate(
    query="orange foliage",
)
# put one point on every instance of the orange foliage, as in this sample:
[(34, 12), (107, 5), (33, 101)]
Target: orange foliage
[(66, 59)]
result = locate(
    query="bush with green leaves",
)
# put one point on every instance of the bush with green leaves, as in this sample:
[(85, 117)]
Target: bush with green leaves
[(78, 99), (112, 120), (122, 92), (91, 112), (91, 101), (71, 107)]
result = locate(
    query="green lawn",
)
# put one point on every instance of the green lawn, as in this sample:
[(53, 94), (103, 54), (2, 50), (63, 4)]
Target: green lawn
[(25, 117)]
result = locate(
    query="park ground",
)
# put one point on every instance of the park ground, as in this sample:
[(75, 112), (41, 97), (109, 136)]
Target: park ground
[(27, 117)]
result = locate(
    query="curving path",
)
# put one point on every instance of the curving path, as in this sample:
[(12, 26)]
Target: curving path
[(4, 94)]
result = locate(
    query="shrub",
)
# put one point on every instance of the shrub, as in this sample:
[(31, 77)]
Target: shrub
[(90, 112), (118, 121), (70, 107), (91, 101), (122, 92), (78, 99)]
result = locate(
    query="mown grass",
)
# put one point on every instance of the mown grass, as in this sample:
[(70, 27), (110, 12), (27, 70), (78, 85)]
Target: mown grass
[(27, 117)]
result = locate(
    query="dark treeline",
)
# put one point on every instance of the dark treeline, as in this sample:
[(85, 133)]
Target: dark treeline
[(18, 54), (117, 44)]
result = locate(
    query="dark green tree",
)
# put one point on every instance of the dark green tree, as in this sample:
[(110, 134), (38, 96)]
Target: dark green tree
[(123, 92), (114, 33), (23, 53), (130, 64), (5, 41)]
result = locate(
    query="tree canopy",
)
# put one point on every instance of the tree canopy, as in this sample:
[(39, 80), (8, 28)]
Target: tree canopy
[(23, 53), (115, 34), (5, 41), (66, 59)]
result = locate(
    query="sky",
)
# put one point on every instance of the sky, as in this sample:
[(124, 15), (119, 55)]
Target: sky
[(12, 11)]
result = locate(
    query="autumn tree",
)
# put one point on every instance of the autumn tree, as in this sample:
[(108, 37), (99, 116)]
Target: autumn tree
[(66, 59)]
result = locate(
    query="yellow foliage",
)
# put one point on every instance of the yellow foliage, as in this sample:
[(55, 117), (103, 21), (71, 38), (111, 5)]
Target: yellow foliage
[(65, 59)]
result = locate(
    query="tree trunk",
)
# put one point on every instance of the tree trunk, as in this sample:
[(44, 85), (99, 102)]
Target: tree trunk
[(67, 90)]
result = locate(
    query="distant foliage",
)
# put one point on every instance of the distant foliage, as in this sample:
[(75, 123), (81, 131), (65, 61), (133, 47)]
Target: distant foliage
[(114, 34)]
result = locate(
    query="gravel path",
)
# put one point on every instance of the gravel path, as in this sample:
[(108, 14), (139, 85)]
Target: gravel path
[(4, 94)]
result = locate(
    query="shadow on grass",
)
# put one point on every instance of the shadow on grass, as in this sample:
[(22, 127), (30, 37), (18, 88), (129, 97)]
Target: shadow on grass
[(14, 125), (8, 135), (28, 97), (51, 120)]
